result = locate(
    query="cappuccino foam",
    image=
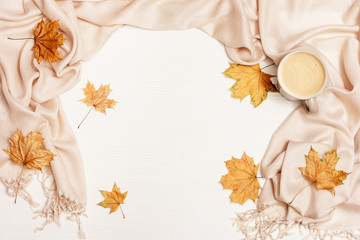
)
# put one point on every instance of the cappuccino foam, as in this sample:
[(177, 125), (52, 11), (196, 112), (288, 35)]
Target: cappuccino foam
[(302, 74)]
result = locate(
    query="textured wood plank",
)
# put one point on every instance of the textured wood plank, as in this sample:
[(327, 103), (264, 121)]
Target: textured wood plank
[(165, 142)]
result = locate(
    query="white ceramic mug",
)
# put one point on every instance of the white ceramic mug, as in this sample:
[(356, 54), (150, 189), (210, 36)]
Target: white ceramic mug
[(309, 102)]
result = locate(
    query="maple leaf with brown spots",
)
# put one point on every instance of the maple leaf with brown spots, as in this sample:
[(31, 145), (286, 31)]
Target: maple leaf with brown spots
[(322, 172)]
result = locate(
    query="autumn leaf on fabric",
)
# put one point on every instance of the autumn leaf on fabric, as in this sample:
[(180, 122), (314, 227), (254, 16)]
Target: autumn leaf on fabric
[(113, 199), (46, 41), (322, 172), (97, 99), (242, 179), (250, 80), (29, 151)]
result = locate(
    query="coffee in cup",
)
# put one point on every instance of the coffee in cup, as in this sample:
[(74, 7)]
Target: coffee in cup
[(301, 76)]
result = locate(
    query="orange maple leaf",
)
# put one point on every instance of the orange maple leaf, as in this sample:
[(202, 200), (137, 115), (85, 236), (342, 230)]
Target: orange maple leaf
[(46, 41), (113, 199), (97, 99), (250, 80), (242, 179), (322, 171)]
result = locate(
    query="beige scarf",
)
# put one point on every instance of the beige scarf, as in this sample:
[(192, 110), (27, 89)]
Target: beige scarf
[(251, 31)]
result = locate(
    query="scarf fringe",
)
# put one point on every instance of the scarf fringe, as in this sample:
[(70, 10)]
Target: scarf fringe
[(19, 186), (267, 223), (56, 205)]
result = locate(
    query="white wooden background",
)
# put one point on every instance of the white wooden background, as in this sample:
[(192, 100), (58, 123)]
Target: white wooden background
[(165, 142)]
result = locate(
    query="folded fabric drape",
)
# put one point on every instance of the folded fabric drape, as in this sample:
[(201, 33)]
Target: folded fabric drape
[(250, 31)]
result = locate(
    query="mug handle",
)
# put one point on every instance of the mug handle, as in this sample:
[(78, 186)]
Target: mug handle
[(311, 105)]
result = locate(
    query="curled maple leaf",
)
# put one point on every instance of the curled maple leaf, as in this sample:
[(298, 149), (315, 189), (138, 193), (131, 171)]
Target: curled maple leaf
[(113, 199), (46, 41), (322, 172), (97, 99), (250, 80), (242, 179), (28, 151)]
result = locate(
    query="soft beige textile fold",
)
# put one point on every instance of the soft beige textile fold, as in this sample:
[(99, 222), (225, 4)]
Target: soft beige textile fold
[(333, 31), (250, 31)]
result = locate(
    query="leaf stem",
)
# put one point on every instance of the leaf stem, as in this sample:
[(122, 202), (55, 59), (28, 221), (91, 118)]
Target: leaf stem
[(86, 116), (267, 66), (300, 192), (122, 211), (20, 38), (17, 190)]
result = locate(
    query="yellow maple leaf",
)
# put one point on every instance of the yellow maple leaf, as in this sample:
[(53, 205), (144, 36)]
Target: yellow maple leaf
[(46, 41), (29, 151), (97, 99), (113, 199), (242, 179), (322, 171), (250, 80)]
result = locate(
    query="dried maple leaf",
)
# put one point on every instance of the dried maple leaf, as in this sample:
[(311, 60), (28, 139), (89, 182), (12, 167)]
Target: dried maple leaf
[(28, 151), (113, 199), (97, 99), (242, 179), (46, 41), (250, 80), (322, 171)]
